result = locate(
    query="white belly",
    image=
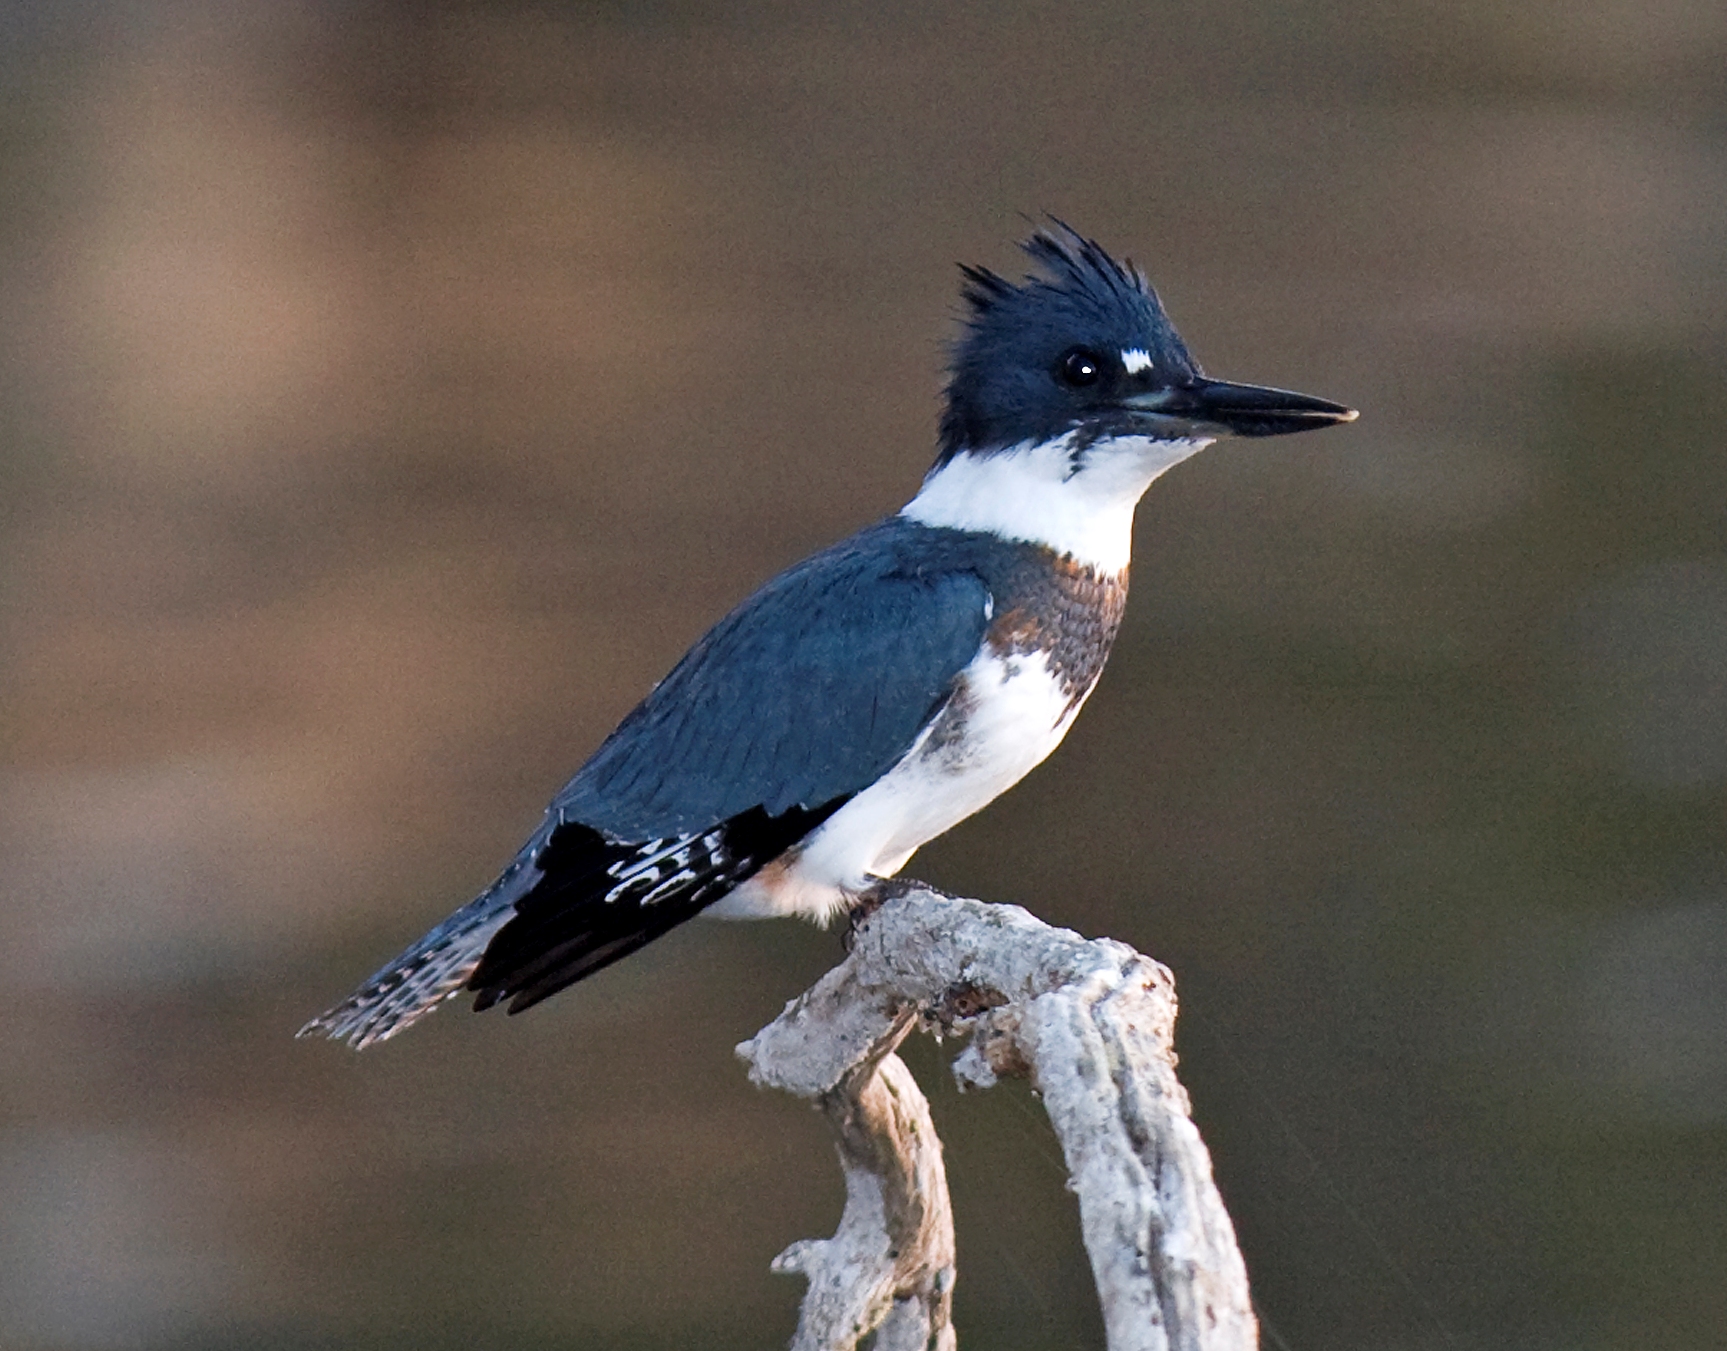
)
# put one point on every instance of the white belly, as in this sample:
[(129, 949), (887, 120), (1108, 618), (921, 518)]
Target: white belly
[(1006, 716)]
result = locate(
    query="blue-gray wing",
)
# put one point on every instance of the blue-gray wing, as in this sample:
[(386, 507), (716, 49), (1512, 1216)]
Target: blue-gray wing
[(806, 693)]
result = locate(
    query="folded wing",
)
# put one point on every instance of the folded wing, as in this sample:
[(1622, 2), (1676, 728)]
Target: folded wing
[(801, 697)]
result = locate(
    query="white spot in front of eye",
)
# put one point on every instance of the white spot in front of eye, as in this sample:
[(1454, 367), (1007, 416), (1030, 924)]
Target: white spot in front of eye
[(1136, 359)]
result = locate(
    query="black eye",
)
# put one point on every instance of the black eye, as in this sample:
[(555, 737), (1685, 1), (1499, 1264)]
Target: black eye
[(1080, 367)]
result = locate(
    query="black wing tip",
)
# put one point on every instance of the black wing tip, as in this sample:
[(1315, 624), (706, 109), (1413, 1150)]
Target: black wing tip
[(544, 927), (600, 900)]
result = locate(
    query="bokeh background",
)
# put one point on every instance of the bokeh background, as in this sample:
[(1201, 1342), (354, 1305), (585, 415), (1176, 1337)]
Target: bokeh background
[(388, 394)]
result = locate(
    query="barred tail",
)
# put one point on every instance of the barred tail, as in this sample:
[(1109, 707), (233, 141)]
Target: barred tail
[(434, 969), (573, 902)]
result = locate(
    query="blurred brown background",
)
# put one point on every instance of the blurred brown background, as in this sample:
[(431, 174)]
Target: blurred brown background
[(389, 394)]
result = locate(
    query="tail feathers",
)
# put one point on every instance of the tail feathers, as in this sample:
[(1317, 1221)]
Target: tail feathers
[(431, 971), (573, 902)]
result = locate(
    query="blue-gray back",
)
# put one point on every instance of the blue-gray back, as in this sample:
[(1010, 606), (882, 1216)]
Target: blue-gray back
[(807, 692)]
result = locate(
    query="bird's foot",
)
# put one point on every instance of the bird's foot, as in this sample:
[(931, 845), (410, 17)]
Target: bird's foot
[(875, 894)]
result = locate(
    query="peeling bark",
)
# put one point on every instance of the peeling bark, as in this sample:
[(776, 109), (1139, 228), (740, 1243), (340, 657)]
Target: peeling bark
[(1091, 1024)]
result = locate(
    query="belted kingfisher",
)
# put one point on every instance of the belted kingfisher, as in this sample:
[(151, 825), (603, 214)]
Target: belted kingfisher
[(883, 690)]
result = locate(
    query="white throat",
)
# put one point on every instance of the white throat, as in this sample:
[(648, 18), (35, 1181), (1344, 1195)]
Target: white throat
[(1034, 492)]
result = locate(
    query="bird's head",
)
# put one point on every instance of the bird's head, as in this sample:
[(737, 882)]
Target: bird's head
[(1082, 350)]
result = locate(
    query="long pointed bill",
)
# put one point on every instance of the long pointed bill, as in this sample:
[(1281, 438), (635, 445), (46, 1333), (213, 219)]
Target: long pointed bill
[(1217, 407)]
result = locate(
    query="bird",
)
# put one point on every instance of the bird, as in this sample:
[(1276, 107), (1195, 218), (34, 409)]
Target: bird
[(873, 696)]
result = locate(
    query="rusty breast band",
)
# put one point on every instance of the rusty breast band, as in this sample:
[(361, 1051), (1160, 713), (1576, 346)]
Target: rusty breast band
[(1065, 610)]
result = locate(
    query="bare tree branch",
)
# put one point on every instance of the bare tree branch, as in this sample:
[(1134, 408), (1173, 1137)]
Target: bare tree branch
[(1092, 1025), (890, 1265)]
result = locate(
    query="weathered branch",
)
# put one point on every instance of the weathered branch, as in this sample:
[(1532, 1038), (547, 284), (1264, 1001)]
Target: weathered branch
[(890, 1265), (1092, 1025)]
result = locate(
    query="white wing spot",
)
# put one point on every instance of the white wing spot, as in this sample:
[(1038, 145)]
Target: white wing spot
[(661, 867), (1136, 359)]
